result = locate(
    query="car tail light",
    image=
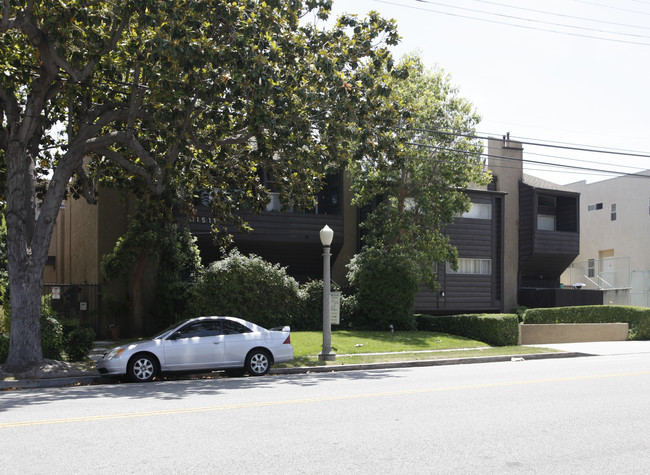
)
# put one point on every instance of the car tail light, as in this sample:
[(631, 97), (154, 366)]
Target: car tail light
[(287, 341)]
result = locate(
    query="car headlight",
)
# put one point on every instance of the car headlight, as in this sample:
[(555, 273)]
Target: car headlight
[(114, 353)]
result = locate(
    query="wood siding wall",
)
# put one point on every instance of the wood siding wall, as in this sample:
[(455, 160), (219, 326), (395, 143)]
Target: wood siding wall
[(289, 239), (474, 239), (544, 255)]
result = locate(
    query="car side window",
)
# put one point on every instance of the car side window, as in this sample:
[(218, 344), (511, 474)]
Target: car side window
[(233, 328), (200, 329)]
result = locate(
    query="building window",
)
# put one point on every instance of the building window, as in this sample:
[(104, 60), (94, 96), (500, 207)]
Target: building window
[(546, 201), (472, 266), (545, 222), (479, 211), (595, 207), (591, 268), (613, 214)]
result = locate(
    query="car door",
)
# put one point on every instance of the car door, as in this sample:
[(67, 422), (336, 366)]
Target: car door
[(197, 345), (238, 341)]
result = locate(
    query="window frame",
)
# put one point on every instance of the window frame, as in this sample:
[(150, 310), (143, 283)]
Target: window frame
[(471, 266)]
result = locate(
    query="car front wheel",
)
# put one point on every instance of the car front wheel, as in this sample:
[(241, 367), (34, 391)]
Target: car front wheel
[(258, 362), (142, 368)]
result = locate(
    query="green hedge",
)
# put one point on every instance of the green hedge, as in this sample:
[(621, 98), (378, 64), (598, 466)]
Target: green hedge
[(638, 318), (493, 329)]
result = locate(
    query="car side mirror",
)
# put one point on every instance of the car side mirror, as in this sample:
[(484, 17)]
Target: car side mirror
[(174, 336)]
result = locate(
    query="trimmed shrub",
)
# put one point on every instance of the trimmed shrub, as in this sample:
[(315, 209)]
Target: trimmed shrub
[(51, 338), (638, 318), (79, 343), (310, 316), (493, 329), (385, 286), (247, 287)]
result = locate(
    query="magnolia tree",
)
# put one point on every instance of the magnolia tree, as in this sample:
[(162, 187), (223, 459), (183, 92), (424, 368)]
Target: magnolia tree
[(176, 97)]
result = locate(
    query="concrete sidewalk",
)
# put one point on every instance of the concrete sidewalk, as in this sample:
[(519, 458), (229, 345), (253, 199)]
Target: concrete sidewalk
[(566, 350), (601, 348)]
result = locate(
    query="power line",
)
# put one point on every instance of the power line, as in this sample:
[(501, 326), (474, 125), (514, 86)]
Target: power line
[(527, 161), (558, 142), (636, 12), (542, 144), (532, 20), (547, 30), (562, 15)]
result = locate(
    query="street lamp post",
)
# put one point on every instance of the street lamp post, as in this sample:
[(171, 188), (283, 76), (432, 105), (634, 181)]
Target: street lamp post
[(326, 236)]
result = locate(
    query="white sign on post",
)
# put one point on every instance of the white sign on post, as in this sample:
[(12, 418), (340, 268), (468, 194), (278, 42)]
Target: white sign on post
[(335, 307), (56, 293)]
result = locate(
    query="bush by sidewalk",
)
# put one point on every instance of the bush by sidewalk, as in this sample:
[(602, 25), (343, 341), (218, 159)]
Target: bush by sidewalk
[(494, 329), (638, 318)]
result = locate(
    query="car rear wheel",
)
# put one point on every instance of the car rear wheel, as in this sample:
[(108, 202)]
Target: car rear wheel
[(258, 362), (142, 368)]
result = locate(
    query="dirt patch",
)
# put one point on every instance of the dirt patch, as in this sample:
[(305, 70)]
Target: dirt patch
[(52, 369)]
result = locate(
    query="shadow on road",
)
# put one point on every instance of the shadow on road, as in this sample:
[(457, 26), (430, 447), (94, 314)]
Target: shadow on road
[(178, 387)]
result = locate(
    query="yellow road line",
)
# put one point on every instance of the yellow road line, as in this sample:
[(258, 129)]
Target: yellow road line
[(132, 415)]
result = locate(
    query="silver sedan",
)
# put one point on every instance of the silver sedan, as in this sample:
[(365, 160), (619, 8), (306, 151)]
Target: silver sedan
[(199, 345)]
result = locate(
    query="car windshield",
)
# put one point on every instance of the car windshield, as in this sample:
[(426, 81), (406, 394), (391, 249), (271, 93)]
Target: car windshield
[(161, 334)]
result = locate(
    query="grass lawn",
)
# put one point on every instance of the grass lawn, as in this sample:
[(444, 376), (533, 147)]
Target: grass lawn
[(355, 347)]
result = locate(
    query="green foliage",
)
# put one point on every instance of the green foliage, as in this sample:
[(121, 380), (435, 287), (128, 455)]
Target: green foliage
[(78, 343), (52, 340), (4, 347), (178, 98), (385, 287), (638, 318), (310, 315), (421, 187), (520, 310), (169, 246), (247, 287), (494, 329)]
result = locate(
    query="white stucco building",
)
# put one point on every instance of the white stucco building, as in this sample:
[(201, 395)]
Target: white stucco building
[(614, 239)]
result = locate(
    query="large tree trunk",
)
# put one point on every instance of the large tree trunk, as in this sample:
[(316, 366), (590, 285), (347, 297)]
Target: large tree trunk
[(25, 338), (28, 241)]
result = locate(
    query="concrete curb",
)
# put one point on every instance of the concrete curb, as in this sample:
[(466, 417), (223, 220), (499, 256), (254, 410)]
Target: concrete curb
[(98, 379), (422, 363)]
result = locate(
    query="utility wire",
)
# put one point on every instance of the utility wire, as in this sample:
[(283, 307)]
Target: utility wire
[(542, 144), (556, 142), (532, 20), (562, 15), (524, 160), (636, 12), (547, 30)]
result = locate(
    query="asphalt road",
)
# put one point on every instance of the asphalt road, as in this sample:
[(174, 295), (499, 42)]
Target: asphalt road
[(577, 415)]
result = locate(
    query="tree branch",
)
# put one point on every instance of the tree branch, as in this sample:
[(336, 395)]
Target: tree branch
[(131, 167), (88, 187)]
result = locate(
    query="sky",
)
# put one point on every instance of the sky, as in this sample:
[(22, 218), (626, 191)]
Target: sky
[(573, 72)]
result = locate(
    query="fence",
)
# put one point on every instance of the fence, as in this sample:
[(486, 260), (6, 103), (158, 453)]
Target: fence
[(601, 274), (640, 293), (79, 303)]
